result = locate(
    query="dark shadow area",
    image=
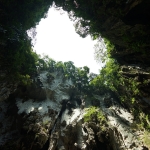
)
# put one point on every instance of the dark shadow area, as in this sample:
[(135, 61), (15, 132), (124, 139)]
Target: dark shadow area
[(140, 14)]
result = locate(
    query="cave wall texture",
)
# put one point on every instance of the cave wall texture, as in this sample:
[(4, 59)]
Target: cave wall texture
[(51, 113)]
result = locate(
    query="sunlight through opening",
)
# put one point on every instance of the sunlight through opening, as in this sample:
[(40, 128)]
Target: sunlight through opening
[(56, 37)]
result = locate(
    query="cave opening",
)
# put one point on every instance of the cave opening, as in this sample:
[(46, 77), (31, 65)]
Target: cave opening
[(57, 38)]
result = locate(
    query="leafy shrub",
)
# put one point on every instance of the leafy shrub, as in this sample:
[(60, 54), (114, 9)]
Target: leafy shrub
[(94, 114)]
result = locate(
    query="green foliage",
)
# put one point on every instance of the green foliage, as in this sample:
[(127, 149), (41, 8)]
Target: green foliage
[(16, 55), (146, 139), (25, 79), (94, 114), (143, 121), (79, 76), (109, 46), (108, 77)]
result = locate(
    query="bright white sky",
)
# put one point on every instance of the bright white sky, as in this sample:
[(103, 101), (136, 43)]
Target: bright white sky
[(57, 38)]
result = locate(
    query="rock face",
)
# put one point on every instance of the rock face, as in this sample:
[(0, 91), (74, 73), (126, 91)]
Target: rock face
[(120, 120), (6, 89), (125, 24), (45, 116)]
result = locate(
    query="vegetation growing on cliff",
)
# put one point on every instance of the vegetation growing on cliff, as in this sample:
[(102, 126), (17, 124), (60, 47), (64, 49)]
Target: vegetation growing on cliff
[(94, 114), (16, 54)]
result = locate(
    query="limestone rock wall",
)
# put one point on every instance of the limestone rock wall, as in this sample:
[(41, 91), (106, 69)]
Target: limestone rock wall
[(54, 120)]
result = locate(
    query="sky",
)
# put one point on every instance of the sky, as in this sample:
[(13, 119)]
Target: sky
[(56, 37)]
